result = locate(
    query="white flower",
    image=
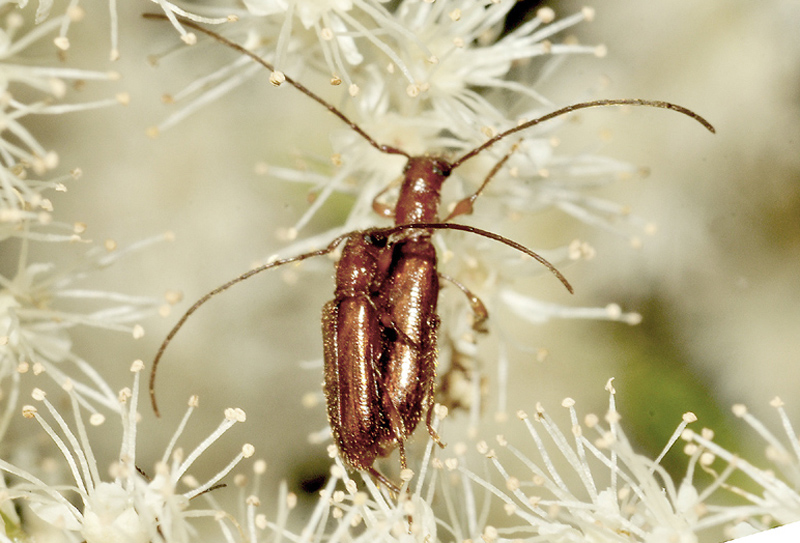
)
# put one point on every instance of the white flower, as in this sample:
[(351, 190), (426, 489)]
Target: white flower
[(573, 488), (441, 58), (445, 103), (330, 28), (171, 10), (335, 25), (130, 508), (24, 210), (110, 516), (22, 204), (34, 330), (75, 13), (575, 484), (50, 81), (778, 500), (359, 512), (445, 111), (470, 58)]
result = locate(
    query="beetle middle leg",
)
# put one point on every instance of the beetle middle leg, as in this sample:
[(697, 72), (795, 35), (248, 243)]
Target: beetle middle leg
[(465, 205), (479, 311)]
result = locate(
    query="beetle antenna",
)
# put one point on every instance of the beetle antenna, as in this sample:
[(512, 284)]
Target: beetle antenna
[(330, 248), (585, 105), (388, 149), (485, 233)]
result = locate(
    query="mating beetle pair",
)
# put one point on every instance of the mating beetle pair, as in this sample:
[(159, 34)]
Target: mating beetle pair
[(380, 330)]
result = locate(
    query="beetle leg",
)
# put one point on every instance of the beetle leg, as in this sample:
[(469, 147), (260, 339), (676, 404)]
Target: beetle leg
[(388, 323), (464, 206), (397, 424), (431, 431), (381, 478), (383, 209), (402, 447), (479, 311)]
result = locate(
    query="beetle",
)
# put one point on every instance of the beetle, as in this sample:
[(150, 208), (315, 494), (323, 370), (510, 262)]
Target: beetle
[(354, 328), (379, 331)]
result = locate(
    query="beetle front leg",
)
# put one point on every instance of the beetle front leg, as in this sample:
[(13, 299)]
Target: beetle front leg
[(381, 208)]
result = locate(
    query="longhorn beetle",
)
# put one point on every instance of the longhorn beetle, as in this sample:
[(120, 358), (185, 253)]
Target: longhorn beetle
[(379, 331)]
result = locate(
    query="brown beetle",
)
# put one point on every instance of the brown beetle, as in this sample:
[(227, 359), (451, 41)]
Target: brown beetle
[(353, 344), (379, 331), (357, 327)]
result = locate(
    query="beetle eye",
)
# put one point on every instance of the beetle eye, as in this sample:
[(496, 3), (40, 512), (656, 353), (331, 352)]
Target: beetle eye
[(442, 169), (377, 239)]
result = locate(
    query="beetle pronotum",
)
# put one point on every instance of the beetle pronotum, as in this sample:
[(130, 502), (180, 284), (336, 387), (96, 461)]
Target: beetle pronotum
[(379, 331)]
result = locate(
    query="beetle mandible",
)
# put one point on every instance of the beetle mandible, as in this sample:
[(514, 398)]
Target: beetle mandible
[(379, 332)]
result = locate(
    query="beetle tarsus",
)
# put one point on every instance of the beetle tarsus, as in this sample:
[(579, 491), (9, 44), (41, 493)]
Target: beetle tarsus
[(382, 479), (432, 431)]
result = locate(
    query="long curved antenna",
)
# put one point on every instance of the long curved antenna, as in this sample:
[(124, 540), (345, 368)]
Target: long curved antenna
[(331, 246), (394, 150), (485, 233), (296, 84), (585, 105)]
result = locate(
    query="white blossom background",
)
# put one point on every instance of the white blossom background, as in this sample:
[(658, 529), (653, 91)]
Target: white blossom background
[(717, 284)]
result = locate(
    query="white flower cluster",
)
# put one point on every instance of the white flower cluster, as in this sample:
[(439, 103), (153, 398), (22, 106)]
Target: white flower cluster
[(36, 303), (585, 483), (133, 506)]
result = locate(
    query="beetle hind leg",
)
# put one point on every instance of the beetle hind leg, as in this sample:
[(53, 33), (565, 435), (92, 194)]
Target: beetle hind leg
[(402, 446), (382, 479), (434, 434)]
